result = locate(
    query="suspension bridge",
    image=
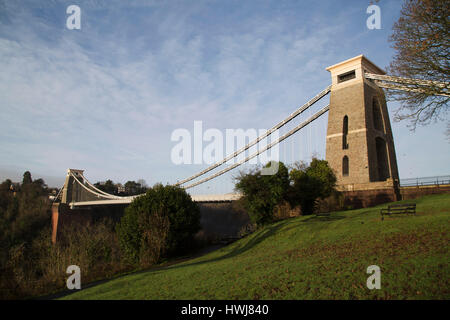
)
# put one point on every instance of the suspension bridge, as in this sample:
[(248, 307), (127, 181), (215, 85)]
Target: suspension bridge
[(359, 142)]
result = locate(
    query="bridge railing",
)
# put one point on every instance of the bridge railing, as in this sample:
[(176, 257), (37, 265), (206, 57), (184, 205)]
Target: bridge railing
[(425, 181)]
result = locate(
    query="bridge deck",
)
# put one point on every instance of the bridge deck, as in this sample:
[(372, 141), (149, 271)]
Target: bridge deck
[(195, 198)]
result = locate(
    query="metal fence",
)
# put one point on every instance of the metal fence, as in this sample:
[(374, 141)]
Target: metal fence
[(425, 181)]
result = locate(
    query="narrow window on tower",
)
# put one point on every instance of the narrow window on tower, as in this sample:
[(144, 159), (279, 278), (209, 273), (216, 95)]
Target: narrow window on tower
[(346, 76), (344, 133), (345, 166)]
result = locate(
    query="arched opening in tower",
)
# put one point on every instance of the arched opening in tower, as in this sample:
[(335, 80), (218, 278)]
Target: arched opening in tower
[(382, 159), (376, 114), (345, 167), (345, 133)]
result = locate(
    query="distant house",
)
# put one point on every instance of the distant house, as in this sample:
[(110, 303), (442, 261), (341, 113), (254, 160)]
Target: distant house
[(120, 188), (53, 194)]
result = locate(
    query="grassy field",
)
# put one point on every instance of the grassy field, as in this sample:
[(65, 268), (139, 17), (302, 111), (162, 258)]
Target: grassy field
[(311, 258)]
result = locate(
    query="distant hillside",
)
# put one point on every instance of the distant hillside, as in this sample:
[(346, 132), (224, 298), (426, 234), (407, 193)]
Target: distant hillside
[(16, 175)]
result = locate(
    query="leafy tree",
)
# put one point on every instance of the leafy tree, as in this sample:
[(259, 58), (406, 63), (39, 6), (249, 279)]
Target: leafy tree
[(310, 183), (161, 222), (31, 211), (5, 185), (27, 178), (40, 184), (22, 216), (5, 194), (134, 188), (143, 184), (421, 38), (108, 186), (131, 187), (262, 193)]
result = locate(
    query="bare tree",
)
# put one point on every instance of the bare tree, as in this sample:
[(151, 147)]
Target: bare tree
[(421, 39)]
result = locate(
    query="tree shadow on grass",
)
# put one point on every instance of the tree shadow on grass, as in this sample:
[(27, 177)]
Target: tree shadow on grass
[(315, 218), (398, 216), (260, 236), (256, 239)]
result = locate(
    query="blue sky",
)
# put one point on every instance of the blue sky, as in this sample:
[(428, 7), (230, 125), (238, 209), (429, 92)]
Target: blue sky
[(106, 98)]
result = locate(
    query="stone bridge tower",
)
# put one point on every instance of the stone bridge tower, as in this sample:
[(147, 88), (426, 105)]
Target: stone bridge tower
[(71, 190), (360, 147)]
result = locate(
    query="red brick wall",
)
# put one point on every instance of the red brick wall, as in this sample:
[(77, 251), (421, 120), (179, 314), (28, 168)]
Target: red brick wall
[(368, 198), (416, 192)]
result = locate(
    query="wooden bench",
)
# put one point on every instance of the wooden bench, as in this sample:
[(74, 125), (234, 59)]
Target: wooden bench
[(406, 208)]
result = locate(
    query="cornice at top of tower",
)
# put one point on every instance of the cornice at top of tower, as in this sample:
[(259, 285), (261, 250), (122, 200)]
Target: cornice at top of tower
[(356, 61)]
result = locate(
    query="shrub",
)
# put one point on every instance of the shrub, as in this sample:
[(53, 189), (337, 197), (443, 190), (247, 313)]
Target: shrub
[(162, 222), (39, 267), (309, 183), (335, 202), (93, 247), (278, 196), (262, 193)]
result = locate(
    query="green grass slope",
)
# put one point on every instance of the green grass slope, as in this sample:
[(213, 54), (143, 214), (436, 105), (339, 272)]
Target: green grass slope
[(311, 258)]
